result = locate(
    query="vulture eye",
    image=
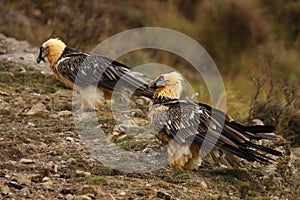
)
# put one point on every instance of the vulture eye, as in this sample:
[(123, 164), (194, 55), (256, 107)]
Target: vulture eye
[(42, 48)]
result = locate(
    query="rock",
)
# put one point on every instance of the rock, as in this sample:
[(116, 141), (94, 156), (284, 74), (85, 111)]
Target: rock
[(36, 178), (68, 191), (164, 195), (69, 139), (64, 175), (26, 161), (69, 197), (122, 193), (106, 196), (3, 173), (64, 113), (52, 166), (45, 179), (71, 160), (48, 185), (83, 197), (82, 173), (4, 105), (4, 189), (36, 109), (31, 124), (14, 184), (3, 93), (5, 192), (24, 180), (25, 192), (86, 189), (203, 185), (90, 162)]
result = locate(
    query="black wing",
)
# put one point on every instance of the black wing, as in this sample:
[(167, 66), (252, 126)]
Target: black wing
[(185, 121), (93, 69)]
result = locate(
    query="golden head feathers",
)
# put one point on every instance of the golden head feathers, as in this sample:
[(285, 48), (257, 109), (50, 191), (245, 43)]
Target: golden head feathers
[(168, 85), (52, 49)]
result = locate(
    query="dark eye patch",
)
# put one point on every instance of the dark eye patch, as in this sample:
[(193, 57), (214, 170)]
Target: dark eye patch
[(161, 78)]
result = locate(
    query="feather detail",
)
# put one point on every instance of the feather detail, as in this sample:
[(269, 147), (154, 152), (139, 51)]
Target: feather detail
[(195, 130), (86, 70)]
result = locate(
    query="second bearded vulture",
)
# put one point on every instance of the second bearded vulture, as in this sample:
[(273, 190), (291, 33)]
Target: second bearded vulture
[(193, 131)]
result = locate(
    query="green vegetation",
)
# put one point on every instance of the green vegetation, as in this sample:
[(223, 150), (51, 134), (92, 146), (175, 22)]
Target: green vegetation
[(72, 155), (94, 180), (105, 171), (212, 197)]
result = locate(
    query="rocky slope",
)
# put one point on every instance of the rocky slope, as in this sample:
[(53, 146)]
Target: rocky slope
[(43, 157)]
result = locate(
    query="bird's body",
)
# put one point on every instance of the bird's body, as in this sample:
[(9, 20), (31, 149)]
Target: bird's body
[(94, 76), (193, 130)]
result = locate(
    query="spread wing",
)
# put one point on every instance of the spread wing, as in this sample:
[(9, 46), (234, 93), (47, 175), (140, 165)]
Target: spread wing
[(93, 69), (187, 121)]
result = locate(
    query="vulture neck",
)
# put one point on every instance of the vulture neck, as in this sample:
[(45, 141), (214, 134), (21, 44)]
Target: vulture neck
[(165, 96)]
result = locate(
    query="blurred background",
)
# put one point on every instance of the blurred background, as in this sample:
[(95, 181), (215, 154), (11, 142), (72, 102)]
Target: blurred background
[(255, 44)]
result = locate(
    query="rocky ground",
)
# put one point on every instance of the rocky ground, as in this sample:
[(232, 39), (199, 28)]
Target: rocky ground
[(43, 157)]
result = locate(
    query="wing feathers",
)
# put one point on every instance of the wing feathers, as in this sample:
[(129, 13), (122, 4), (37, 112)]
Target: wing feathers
[(193, 121), (92, 69)]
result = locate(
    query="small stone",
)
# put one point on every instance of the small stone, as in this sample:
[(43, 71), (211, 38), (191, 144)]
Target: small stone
[(31, 124), (69, 139), (4, 106), (3, 93), (103, 195), (86, 189), (71, 160), (83, 197), (203, 185), (64, 113), (82, 173), (36, 109), (163, 195), (5, 189), (24, 180), (19, 101), (122, 193), (26, 161), (25, 192), (90, 162), (15, 185), (68, 191), (45, 179), (36, 178), (69, 197), (7, 176), (48, 185), (2, 173), (52, 166)]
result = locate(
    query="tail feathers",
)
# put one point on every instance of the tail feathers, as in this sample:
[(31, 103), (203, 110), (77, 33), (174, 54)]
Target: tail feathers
[(264, 149), (256, 132), (260, 129), (268, 136), (253, 129), (248, 154)]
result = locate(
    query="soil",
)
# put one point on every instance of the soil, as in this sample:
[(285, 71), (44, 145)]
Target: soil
[(43, 156)]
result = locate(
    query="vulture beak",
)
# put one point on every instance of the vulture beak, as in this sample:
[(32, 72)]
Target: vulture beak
[(41, 56), (158, 82)]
